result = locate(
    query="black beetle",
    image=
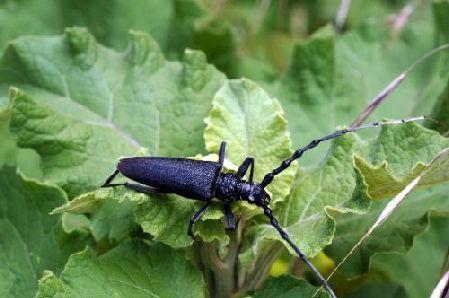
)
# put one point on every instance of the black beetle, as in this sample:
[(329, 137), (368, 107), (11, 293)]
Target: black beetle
[(203, 181)]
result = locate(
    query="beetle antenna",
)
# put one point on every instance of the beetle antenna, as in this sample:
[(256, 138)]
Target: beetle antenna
[(298, 153), (267, 211)]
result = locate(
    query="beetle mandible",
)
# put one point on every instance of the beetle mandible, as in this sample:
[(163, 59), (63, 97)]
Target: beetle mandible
[(204, 180)]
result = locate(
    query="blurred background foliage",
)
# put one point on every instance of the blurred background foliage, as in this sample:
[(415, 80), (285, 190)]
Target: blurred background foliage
[(263, 40), (242, 38)]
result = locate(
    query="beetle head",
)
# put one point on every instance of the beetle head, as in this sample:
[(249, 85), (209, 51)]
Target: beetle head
[(258, 196)]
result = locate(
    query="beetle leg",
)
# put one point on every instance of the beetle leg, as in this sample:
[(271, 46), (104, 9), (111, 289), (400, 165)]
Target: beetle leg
[(142, 188), (195, 218), (136, 187), (229, 216), (222, 153), (110, 178), (248, 162)]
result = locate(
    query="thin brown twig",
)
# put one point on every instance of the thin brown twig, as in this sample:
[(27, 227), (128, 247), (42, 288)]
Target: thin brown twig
[(379, 98)]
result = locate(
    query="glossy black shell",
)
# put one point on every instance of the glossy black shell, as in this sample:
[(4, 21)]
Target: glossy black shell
[(194, 179)]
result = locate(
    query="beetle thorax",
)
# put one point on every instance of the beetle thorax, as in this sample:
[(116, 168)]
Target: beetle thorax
[(229, 187)]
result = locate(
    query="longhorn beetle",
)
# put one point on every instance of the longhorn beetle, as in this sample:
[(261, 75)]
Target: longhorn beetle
[(203, 181)]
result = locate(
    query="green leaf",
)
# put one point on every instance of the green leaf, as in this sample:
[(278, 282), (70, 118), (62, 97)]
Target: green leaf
[(440, 113), (114, 221), (132, 269), (286, 287), (8, 148), (18, 276), (377, 289), (398, 156), (28, 17), (111, 214), (253, 125), (31, 239), (51, 286), (217, 41), (166, 217), (395, 235), (73, 153), (305, 91), (93, 105), (110, 22), (75, 222), (170, 22), (420, 269), (25, 159)]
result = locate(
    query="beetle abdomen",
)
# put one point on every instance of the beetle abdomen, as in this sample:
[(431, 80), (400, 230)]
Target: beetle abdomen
[(190, 178)]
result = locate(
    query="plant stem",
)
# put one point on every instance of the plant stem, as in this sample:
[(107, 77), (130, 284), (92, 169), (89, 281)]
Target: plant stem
[(221, 275), (261, 268)]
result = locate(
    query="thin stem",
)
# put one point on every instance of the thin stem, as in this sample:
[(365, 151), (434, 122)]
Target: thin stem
[(379, 98), (342, 13), (259, 274), (221, 274), (205, 268)]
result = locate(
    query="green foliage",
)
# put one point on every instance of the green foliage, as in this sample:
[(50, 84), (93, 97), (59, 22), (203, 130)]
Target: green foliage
[(287, 286), (84, 93), (253, 124), (132, 269), (433, 243), (396, 235), (71, 105), (32, 241)]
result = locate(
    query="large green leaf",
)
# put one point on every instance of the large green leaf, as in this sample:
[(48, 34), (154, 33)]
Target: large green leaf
[(397, 157), (166, 217), (32, 241), (133, 269), (253, 125), (93, 105)]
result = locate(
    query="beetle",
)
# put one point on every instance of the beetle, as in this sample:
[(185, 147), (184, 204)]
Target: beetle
[(204, 181)]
